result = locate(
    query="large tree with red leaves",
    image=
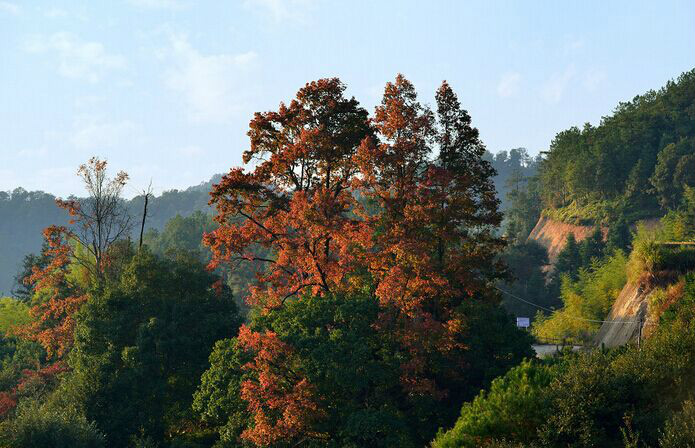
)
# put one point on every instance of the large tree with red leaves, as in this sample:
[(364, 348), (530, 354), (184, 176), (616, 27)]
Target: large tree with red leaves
[(400, 206)]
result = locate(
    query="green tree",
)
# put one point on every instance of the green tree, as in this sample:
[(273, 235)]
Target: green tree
[(592, 247), (356, 370), (516, 404), (569, 260), (142, 342)]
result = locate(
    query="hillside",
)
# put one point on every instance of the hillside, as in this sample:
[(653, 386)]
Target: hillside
[(26, 213), (553, 235), (634, 164)]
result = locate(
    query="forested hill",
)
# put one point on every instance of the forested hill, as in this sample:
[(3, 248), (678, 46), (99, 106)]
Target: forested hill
[(26, 213), (634, 164)]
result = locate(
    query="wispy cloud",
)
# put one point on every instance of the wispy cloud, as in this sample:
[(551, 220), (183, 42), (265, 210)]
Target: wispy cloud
[(281, 10), (554, 89), (94, 134), (157, 4), (10, 8), (214, 86), (509, 84), (77, 59)]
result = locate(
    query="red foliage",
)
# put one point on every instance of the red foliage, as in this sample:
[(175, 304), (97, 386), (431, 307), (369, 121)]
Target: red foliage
[(282, 401), (421, 237), (297, 199), (54, 322), (8, 401), (30, 380)]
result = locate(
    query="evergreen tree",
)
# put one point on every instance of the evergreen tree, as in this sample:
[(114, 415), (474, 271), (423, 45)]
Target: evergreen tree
[(569, 260), (592, 247)]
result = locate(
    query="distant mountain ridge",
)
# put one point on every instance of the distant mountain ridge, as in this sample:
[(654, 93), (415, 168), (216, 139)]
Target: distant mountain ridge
[(26, 213)]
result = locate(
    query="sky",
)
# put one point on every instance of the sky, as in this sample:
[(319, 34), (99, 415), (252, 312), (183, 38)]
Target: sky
[(165, 89)]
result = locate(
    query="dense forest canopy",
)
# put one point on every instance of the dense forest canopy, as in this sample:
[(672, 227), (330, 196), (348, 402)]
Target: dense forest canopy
[(636, 162)]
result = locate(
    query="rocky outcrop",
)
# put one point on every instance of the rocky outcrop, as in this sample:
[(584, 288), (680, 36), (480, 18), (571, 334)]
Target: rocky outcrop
[(553, 234), (628, 313)]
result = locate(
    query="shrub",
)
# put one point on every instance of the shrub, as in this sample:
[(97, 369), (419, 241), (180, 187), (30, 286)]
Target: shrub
[(587, 299), (679, 431), (516, 404), (39, 427)]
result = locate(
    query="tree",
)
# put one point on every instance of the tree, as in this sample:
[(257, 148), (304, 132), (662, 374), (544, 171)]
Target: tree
[(592, 247), (618, 236), (75, 256), (353, 369), (142, 343), (401, 208), (101, 219), (526, 262), (569, 259), (675, 168), (297, 200)]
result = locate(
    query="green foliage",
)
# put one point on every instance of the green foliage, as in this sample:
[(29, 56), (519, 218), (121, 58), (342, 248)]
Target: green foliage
[(650, 256), (357, 371), (182, 234), (631, 163), (526, 262), (513, 170), (515, 404), (13, 313), (523, 209), (569, 260), (42, 427), (588, 298), (624, 397), (141, 344), (218, 400), (679, 431), (675, 168)]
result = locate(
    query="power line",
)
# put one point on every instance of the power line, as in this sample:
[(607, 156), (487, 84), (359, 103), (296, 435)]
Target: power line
[(569, 316)]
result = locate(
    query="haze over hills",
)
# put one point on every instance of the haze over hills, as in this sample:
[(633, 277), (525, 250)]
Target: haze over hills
[(26, 213)]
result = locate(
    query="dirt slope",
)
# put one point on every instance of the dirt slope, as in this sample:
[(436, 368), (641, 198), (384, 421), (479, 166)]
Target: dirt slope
[(553, 235), (629, 308)]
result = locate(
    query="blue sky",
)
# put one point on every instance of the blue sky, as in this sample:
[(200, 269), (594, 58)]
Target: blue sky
[(164, 89)]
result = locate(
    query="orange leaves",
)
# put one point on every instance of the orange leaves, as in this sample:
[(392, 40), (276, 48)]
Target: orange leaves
[(30, 380), (401, 205), (54, 322), (282, 402), (296, 202)]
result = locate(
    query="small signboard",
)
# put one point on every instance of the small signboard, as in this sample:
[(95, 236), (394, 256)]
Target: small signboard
[(523, 322)]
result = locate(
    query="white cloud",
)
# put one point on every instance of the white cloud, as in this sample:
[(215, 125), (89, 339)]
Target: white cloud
[(93, 134), (214, 86), (76, 59), (10, 8), (157, 4), (508, 85), (554, 89), (281, 10), (593, 78)]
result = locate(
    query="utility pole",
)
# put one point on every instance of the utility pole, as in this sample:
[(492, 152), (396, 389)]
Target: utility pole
[(639, 334)]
